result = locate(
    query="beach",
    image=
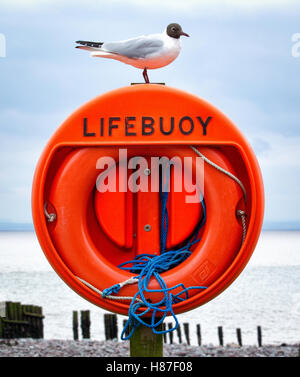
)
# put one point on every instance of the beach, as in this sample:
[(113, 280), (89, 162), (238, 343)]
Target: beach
[(113, 348)]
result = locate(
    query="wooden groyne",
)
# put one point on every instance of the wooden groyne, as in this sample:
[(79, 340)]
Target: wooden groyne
[(181, 335), (26, 321), (21, 321)]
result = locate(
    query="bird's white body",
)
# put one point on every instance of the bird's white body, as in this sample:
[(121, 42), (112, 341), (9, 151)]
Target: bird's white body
[(163, 50), (144, 52)]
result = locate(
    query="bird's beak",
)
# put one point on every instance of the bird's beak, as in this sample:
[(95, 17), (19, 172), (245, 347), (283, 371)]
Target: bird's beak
[(185, 34)]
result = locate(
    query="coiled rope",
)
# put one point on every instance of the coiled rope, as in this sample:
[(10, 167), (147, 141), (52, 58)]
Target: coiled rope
[(150, 266)]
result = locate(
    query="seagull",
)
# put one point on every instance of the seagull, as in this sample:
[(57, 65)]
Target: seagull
[(145, 52)]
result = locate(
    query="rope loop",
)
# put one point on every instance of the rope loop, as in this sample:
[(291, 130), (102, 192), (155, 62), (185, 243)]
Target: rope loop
[(113, 289), (50, 216)]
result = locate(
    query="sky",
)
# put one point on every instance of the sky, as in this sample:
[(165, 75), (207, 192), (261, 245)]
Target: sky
[(239, 58)]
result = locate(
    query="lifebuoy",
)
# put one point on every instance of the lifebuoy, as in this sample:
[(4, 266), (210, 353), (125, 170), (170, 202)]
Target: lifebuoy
[(85, 249), (85, 234)]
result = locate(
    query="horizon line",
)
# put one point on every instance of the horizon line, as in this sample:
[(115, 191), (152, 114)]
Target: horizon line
[(272, 225)]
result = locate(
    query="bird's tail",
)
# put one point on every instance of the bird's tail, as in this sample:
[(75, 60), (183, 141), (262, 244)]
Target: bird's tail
[(94, 48)]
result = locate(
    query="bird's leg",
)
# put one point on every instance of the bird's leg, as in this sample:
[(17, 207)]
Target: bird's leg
[(146, 76)]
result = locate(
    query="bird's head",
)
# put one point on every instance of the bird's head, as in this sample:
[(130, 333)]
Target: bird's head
[(175, 31)]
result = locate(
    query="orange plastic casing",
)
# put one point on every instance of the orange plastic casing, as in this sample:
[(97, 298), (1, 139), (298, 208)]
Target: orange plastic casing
[(93, 232)]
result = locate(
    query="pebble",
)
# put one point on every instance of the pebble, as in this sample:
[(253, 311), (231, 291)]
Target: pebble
[(94, 348)]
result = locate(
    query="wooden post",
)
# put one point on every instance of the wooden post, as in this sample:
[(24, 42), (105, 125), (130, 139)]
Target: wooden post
[(38, 322), (186, 332), (179, 334), (220, 334), (259, 336), (41, 323), (110, 326), (29, 319), (239, 336), (19, 317), (165, 335), (199, 334), (75, 325), (85, 324), (11, 316), (32, 331), (124, 323), (24, 326), (144, 343), (9, 326), (114, 326), (2, 316), (170, 333), (88, 324), (127, 331), (106, 326), (34, 322), (15, 318)]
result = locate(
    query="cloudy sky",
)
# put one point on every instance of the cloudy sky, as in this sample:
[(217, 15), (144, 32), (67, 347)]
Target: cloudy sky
[(239, 58)]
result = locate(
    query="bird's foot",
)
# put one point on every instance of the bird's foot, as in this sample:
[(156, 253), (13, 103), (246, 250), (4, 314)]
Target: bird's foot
[(145, 75)]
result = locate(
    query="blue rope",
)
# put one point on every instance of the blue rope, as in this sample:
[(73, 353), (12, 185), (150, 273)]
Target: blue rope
[(148, 266)]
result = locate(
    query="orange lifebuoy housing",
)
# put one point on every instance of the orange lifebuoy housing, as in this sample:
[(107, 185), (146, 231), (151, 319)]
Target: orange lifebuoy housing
[(94, 232)]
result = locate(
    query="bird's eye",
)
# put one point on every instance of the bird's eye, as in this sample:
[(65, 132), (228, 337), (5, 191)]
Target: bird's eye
[(173, 28)]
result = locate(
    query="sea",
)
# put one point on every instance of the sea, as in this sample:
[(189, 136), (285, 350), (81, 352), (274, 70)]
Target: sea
[(266, 293)]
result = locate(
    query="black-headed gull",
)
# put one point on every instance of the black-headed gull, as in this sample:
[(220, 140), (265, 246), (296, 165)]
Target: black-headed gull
[(144, 52)]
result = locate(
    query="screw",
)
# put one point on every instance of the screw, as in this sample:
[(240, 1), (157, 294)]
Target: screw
[(147, 171), (147, 228)]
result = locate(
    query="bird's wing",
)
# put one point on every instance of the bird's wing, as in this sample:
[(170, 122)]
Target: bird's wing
[(135, 48), (90, 44)]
